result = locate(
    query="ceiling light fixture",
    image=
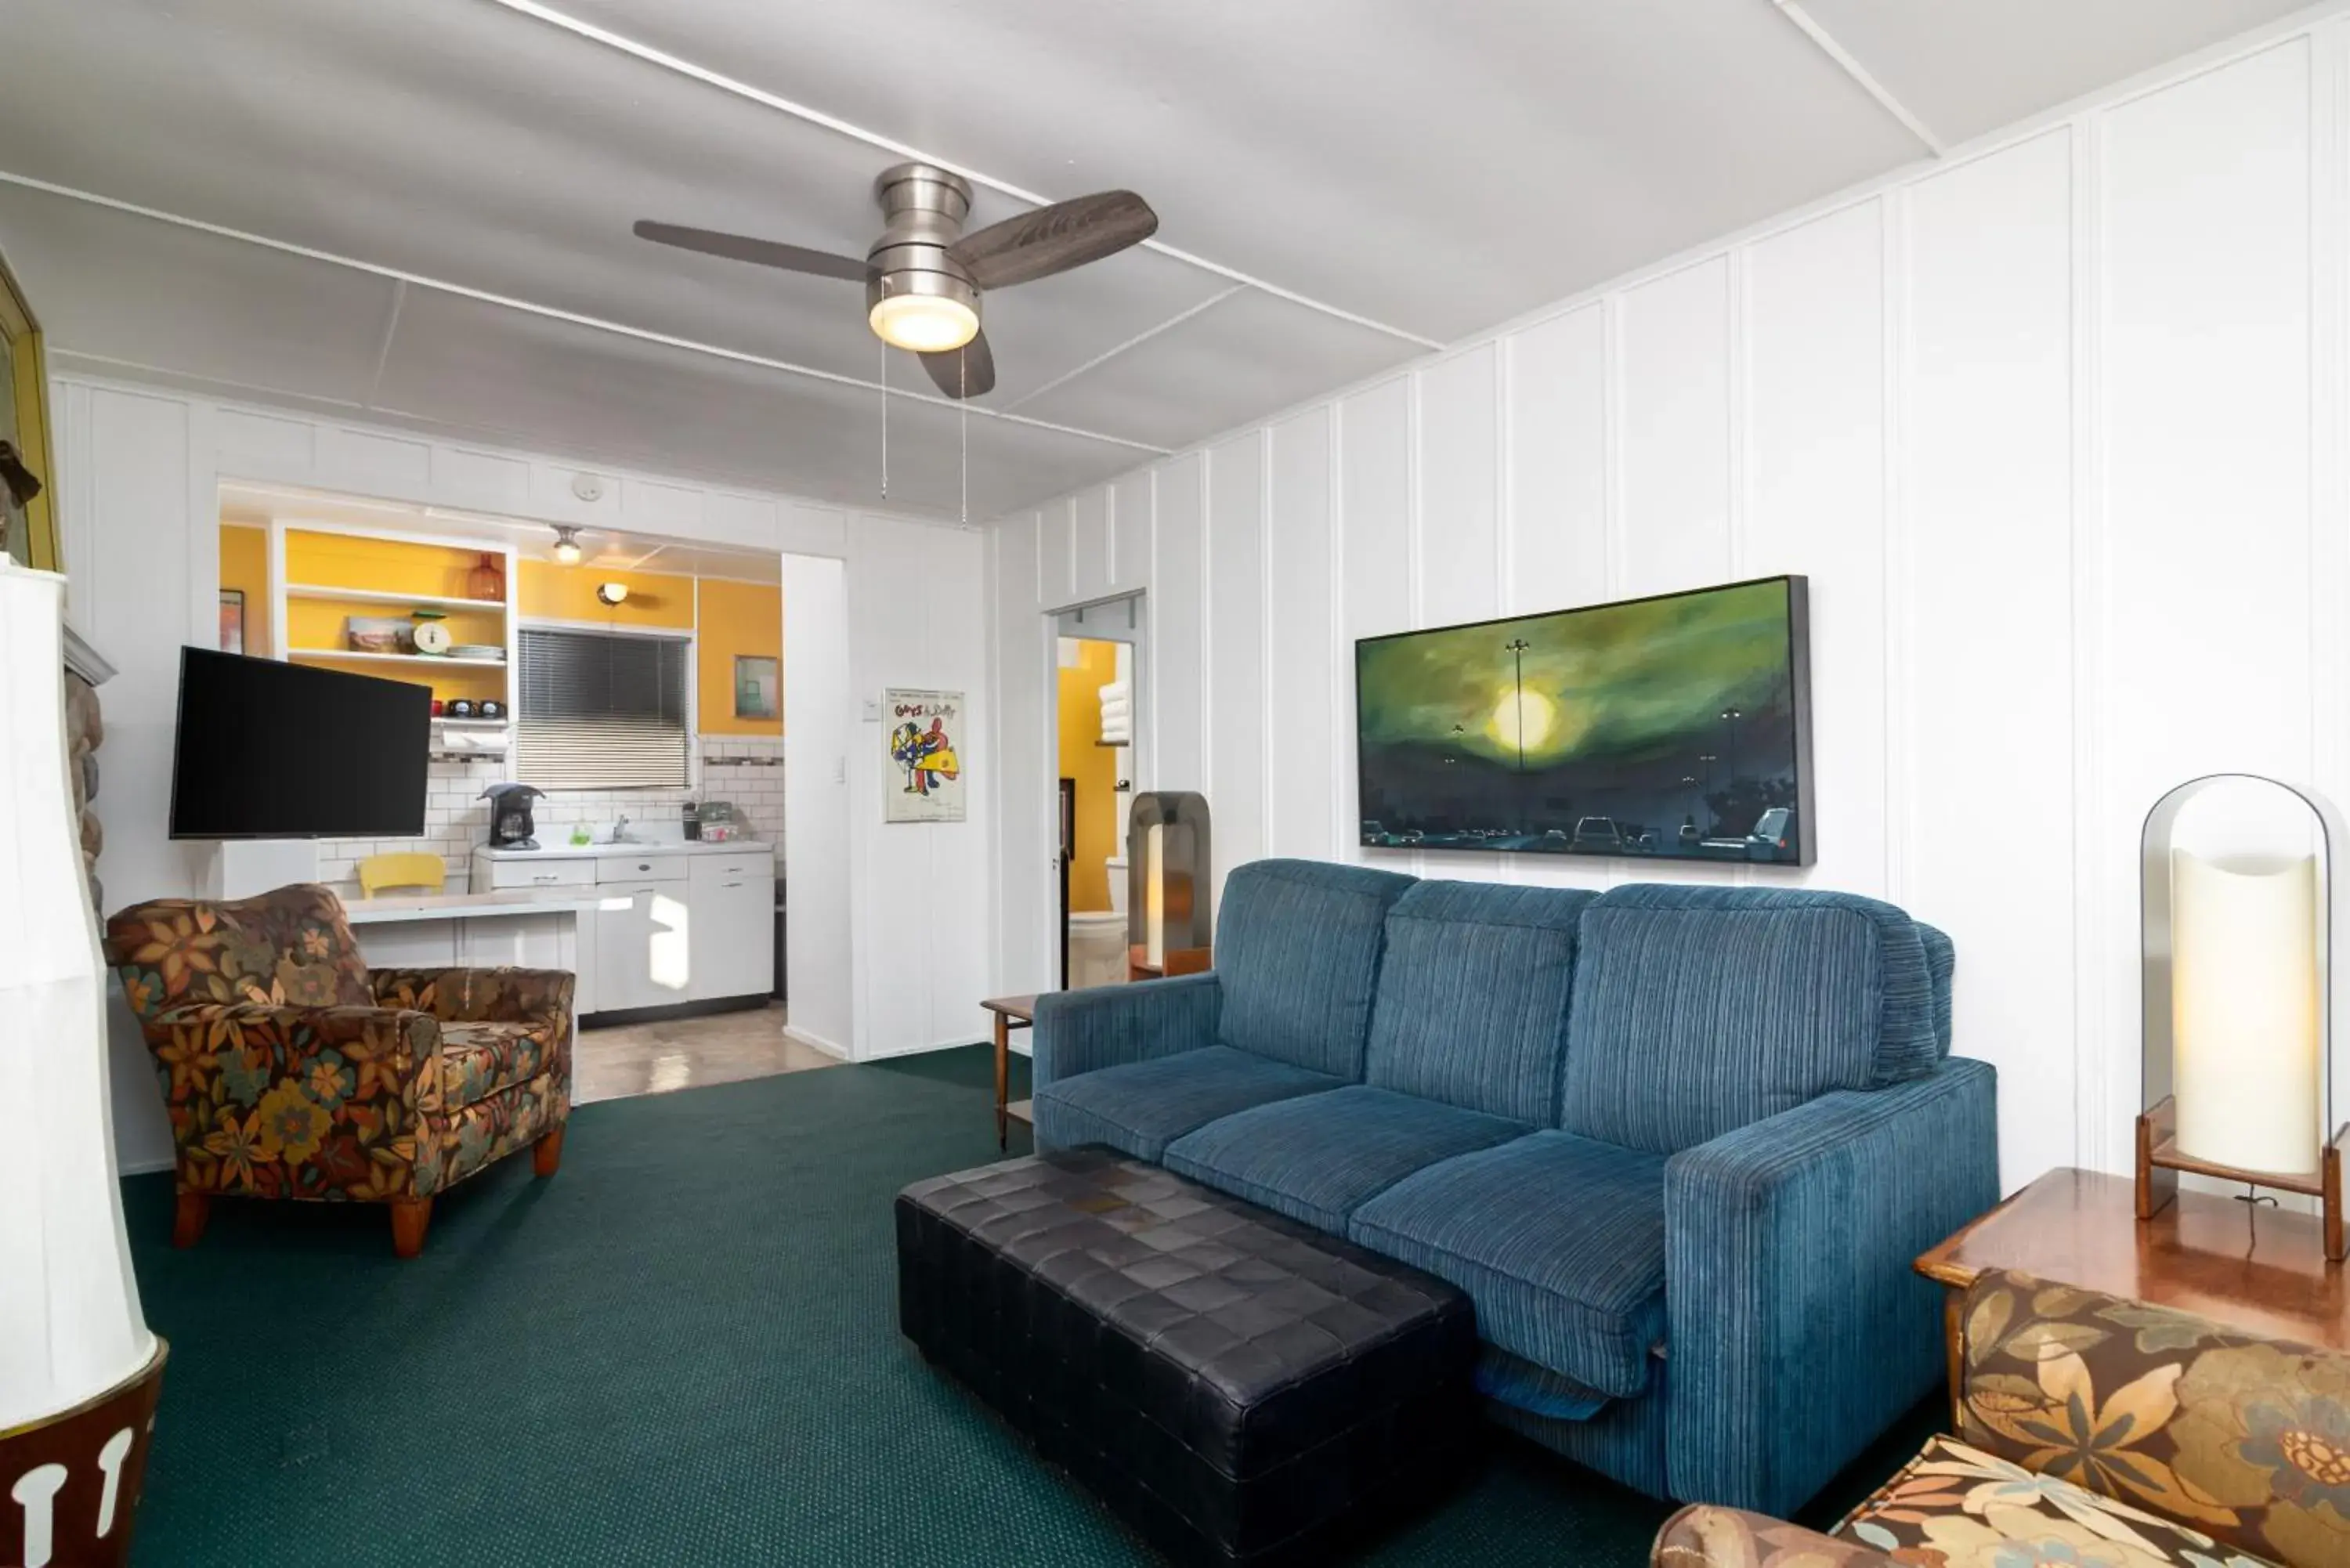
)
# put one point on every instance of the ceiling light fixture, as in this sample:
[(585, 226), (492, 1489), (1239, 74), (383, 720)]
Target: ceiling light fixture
[(923, 323), (611, 592), (566, 544)]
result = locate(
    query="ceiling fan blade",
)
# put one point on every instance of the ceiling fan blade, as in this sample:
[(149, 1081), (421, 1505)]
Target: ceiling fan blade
[(1055, 238), (965, 372), (759, 253)]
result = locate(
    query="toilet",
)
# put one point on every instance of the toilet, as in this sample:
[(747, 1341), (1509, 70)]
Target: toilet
[(1096, 948), (1098, 937)]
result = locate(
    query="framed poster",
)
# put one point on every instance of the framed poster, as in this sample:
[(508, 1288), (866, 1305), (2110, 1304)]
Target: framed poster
[(923, 733), (757, 677), (231, 621)]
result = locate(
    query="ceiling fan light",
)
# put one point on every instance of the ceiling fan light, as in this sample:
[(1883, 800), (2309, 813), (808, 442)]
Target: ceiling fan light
[(566, 545), (923, 323)]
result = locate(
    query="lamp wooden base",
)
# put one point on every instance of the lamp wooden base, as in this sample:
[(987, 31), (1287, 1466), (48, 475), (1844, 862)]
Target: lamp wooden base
[(70, 1484), (2159, 1163)]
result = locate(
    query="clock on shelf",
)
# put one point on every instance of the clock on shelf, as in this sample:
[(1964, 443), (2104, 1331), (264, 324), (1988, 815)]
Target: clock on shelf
[(431, 636)]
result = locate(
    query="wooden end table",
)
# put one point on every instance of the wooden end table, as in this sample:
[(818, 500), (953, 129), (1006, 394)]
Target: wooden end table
[(1010, 1012), (2251, 1267)]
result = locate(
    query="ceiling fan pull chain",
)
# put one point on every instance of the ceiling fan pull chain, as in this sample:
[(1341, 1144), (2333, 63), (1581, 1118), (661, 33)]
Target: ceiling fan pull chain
[(885, 422), (962, 414)]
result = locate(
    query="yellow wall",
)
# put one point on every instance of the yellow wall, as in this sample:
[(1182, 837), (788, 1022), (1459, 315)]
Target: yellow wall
[(551, 591), (736, 618), (245, 565), (1095, 767)]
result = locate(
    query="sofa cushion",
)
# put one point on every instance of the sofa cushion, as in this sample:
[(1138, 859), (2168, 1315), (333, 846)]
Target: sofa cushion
[(1558, 1240), (1297, 951), (1700, 1009), (1316, 1157), (1138, 1108), (1473, 997)]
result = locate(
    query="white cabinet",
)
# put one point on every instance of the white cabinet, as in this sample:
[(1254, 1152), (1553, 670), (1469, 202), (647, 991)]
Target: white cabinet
[(641, 950), (673, 926), (733, 939)]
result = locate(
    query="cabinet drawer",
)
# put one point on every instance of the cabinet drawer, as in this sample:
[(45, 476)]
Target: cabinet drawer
[(641, 868), (504, 874), (758, 865)]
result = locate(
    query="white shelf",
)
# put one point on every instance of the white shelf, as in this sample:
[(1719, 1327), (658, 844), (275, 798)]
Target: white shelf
[(456, 724), (339, 654), (378, 597)]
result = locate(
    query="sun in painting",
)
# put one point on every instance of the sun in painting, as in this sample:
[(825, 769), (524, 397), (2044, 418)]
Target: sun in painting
[(1523, 720)]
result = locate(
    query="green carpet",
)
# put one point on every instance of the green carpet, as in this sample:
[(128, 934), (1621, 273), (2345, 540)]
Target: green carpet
[(681, 1351)]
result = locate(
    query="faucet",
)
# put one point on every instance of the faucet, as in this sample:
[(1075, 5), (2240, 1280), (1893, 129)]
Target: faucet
[(620, 829)]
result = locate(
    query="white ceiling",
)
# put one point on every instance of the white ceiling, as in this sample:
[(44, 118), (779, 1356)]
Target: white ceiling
[(1341, 183)]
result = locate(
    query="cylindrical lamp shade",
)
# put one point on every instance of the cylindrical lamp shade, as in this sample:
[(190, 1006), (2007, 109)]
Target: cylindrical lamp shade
[(2245, 1031), (70, 1326)]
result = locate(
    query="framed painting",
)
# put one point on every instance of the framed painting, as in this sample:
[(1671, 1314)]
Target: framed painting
[(28, 493), (758, 679)]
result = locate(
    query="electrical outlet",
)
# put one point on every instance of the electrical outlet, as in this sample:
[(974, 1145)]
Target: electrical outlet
[(840, 769)]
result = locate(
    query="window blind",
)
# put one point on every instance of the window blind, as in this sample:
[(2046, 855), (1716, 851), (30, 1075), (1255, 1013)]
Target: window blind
[(601, 710)]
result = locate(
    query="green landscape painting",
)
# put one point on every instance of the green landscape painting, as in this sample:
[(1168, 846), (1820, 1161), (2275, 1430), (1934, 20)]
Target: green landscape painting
[(1676, 726)]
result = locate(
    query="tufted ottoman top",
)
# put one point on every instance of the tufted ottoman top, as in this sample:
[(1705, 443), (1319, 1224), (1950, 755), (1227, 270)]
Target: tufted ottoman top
[(1246, 1337)]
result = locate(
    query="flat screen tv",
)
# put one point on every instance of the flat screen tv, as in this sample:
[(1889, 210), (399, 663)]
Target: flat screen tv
[(1677, 727), (268, 750)]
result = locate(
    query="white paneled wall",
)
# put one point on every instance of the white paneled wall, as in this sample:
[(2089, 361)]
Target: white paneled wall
[(2057, 426)]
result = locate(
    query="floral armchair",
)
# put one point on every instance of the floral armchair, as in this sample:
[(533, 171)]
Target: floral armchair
[(2100, 1432), (292, 1070)]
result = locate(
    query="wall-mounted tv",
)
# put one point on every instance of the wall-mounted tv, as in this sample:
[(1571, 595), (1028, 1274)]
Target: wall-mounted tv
[(1677, 727), (268, 750)]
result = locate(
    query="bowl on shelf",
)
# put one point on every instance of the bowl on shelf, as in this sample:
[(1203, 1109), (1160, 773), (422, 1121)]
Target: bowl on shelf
[(478, 650)]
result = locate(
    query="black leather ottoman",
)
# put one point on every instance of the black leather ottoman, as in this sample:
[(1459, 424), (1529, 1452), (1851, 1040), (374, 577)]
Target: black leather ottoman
[(1240, 1387)]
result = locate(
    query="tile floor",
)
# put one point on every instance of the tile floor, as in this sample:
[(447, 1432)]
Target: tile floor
[(682, 1052)]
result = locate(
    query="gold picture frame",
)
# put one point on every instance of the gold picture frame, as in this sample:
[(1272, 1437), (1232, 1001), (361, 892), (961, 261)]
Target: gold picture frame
[(25, 423)]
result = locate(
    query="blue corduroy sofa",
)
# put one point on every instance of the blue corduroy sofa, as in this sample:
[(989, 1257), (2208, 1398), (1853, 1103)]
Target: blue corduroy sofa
[(1679, 1144)]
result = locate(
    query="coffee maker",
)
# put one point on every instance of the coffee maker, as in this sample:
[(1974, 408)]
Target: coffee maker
[(510, 824)]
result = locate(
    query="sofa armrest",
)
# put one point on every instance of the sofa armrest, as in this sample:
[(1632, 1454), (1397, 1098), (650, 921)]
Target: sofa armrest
[(540, 996), (1797, 1326), (1702, 1536), (1078, 1031)]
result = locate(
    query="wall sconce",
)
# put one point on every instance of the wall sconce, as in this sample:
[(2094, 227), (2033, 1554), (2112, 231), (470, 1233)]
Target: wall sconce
[(1167, 868), (612, 594), (2236, 892)]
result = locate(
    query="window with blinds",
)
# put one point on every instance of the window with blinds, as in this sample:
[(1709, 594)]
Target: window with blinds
[(601, 710)]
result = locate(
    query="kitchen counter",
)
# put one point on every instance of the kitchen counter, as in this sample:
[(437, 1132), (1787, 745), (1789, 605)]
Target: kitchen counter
[(464, 906), (554, 849)]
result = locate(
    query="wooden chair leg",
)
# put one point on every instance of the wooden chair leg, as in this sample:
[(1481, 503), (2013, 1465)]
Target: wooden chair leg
[(411, 1217), (547, 1154), (188, 1218)]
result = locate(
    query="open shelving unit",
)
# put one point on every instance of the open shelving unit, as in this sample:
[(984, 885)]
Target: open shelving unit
[(323, 575)]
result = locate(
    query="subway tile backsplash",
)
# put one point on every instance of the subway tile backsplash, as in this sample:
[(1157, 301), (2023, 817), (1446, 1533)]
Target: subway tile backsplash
[(744, 769)]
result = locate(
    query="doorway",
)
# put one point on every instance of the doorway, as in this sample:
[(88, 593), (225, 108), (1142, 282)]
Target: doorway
[(1095, 703)]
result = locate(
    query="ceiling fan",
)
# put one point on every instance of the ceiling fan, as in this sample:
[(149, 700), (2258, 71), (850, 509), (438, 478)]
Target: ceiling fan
[(924, 276)]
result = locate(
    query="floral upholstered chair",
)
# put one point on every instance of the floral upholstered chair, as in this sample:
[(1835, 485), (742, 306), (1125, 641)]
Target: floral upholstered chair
[(2095, 1431), (292, 1070)]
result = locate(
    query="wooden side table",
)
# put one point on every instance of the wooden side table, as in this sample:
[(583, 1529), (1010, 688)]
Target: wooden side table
[(1010, 1012), (2253, 1267)]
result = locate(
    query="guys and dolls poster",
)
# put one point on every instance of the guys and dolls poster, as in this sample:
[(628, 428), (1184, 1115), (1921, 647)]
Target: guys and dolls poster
[(925, 772)]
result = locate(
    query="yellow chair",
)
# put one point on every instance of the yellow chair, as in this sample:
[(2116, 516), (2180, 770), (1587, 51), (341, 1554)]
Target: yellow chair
[(378, 872)]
